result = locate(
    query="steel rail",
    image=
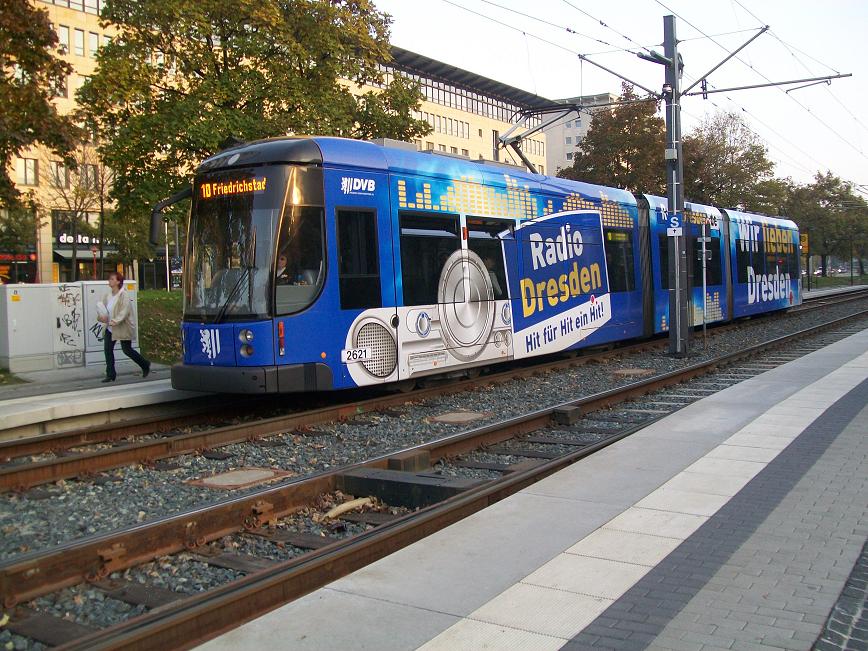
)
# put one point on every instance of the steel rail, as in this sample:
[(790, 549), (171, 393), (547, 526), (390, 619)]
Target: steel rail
[(23, 476), (198, 618), (33, 574), (85, 463)]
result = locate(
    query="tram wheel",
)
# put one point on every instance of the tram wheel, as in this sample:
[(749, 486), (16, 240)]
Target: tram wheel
[(405, 386)]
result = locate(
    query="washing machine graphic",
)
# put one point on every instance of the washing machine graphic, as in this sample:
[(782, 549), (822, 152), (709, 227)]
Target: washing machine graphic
[(466, 306)]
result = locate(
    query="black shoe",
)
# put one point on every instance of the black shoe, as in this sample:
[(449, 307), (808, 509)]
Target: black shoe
[(108, 379), (146, 370)]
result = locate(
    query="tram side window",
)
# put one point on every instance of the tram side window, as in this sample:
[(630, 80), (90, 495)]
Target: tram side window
[(744, 259), (358, 262), (663, 246), (619, 260), (792, 260), (427, 240), (300, 268), (782, 263), (713, 266), (483, 240)]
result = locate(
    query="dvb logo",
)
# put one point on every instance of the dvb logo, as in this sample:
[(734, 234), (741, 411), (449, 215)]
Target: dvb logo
[(351, 185)]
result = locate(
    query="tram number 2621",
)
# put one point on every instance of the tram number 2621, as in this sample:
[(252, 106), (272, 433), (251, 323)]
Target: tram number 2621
[(351, 355)]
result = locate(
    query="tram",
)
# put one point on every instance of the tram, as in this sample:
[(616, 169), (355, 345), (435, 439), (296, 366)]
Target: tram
[(316, 264)]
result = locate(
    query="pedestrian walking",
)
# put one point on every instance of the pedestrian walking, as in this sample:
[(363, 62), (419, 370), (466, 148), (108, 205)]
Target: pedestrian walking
[(116, 315)]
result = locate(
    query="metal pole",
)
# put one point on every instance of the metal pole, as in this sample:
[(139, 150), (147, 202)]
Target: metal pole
[(168, 282), (679, 302), (704, 292)]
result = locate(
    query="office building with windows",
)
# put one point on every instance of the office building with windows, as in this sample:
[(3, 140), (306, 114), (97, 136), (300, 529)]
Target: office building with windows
[(563, 138), (467, 113)]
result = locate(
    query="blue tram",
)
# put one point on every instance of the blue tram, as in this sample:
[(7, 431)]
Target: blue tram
[(322, 263)]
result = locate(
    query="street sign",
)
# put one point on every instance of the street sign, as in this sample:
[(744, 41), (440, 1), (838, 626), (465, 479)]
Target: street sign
[(675, 232)]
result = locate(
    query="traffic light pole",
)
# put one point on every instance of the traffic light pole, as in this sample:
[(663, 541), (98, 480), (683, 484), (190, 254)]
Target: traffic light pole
[(679, 238)]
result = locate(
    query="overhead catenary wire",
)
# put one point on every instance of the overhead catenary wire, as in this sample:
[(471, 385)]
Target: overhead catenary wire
[(792, 49), (609, 27), (791, 97), (569, 30), (704, 36)]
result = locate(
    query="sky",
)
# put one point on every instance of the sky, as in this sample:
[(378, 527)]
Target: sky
[(534, 45)]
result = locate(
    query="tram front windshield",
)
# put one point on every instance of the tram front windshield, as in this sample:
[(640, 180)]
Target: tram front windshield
[(233, 224)]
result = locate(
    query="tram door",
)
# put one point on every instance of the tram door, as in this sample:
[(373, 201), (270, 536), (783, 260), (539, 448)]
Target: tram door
[(454, 293), (367, 293)]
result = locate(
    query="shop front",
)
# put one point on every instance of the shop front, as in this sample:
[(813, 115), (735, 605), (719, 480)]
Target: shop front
[(18, 267)]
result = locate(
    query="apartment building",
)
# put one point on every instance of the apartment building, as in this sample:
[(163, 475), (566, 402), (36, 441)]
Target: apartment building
[(563, 138), (39, 171), (467, 113)]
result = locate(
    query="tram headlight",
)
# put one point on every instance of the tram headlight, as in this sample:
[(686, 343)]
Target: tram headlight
[(245, 336), (246, 350)]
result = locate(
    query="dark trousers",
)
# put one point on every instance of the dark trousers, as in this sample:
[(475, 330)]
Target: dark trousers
[(127, 347)]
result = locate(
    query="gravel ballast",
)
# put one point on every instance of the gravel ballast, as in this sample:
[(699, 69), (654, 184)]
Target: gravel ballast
[(68, 510)]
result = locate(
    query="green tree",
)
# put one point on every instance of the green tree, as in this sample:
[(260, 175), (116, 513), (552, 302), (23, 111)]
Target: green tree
[(182, 77), (623, 147), (824, 210), (726, 164), (31, 70)]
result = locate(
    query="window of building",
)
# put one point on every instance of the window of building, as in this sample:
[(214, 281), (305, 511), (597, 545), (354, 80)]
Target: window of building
[(569, 140), (480, 133), (465, 152), (442, 147), (427, 240), (60, 87), (28, 171), (568, 125), (429, 146), (619, 260), (79, 42), (91, 6), (63, 38), (88, 175), (569, 155), (58, 174), (542, 169), (106, 40), (92, 44), (439, 127), (358, 261)]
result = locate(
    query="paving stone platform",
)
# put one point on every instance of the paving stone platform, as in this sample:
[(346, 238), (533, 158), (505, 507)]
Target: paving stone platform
[(735, 523)]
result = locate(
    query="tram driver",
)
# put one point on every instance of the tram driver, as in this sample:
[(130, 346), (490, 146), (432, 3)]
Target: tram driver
[(282, 277)]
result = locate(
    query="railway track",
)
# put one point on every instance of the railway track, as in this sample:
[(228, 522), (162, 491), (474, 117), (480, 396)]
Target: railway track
[(54, 458), (417, 491)]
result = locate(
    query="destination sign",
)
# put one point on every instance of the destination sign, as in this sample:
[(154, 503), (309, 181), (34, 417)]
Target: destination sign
[(214, 189)]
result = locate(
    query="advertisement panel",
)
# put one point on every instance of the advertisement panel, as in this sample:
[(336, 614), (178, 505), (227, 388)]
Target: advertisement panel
[(558, 273)]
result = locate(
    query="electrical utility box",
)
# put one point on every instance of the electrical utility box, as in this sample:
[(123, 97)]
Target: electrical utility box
[(51, 325)]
